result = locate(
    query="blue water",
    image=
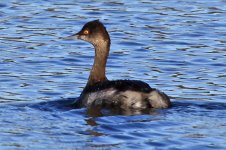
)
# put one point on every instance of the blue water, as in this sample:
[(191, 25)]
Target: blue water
[(177, 46)]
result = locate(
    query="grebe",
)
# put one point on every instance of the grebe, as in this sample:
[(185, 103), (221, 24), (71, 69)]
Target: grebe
[(102, 93)]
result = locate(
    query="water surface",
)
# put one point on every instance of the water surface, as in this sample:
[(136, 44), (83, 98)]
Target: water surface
[(176, 46)]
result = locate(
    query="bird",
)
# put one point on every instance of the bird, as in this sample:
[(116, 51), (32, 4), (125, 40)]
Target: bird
[(103, 93)]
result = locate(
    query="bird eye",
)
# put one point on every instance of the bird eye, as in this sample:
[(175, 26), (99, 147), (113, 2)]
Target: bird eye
[(86, 32)]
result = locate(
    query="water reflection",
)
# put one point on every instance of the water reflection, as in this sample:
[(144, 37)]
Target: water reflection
[(98, 112)]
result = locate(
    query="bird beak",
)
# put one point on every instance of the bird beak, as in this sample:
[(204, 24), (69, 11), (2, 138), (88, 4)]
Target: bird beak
[(72, 37)]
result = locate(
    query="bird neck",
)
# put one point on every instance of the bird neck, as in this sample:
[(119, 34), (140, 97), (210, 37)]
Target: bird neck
[(97, 73)]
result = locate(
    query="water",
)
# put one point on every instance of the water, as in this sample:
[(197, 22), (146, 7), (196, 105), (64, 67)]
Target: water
[(176, 46)]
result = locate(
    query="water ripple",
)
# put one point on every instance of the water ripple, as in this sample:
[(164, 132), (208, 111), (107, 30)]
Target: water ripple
[(175, 46)]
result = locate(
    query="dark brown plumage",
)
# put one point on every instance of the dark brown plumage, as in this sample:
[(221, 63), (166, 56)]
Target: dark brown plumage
[(99, 91)]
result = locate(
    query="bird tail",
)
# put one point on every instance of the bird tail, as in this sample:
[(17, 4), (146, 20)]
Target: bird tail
[(158, 99)]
